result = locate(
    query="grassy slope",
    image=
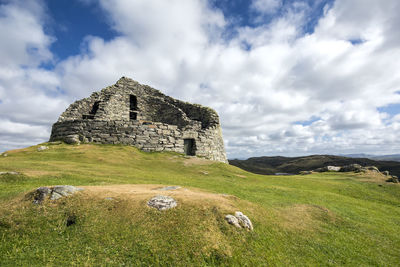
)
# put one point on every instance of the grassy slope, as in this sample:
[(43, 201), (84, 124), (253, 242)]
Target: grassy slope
[(320, 219)]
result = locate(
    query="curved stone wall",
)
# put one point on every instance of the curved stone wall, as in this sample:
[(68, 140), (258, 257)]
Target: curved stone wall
[(156, 123)]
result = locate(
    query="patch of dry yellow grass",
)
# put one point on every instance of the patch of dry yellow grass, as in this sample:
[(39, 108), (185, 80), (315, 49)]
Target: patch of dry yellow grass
[(303, 217), (143, 192)]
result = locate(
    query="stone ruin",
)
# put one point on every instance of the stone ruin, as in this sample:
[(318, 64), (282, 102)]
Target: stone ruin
[(134, 114)]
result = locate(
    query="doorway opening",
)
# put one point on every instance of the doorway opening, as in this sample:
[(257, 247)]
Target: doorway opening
[(189, 147)]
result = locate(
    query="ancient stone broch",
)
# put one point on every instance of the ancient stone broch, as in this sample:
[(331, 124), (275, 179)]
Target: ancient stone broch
[(134, 114)]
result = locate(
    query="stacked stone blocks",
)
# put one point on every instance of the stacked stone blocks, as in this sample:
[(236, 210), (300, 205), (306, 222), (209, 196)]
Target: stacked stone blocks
[(161, 123)]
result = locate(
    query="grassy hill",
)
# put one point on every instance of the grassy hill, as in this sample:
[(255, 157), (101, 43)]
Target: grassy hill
[(326, 219), (272, 165)]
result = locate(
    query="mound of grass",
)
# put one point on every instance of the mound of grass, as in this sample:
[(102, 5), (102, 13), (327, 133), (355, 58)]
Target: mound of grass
[(326, 219)]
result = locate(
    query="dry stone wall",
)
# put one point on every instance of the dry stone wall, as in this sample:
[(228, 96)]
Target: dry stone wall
[(159, 123)]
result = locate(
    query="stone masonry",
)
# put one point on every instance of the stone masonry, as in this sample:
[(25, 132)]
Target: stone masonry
[(134, 114)]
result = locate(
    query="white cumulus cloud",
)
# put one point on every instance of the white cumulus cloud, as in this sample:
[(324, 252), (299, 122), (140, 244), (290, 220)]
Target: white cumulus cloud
[(286, 91)]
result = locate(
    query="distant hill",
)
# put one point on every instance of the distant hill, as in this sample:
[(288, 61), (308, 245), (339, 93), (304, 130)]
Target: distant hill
[(393, 157), (272, 165)]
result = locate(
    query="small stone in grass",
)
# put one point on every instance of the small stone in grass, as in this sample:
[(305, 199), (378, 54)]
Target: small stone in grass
[(162, 202)]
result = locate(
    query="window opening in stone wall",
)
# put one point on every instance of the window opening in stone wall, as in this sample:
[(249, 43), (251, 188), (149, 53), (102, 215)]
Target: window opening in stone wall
[(189, 147), (95, 108), (132, 107), (92, 112), (132, 115), (132, 102)]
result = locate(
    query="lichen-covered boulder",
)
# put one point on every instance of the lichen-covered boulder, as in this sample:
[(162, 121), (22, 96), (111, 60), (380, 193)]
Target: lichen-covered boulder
[(41, 148), (41, 194), (351, 168), (244, 221), (162, 202), (232, 220), (333, 168), (372, 168), (393, 179), (53, 193), (239, 220), (60, 191)]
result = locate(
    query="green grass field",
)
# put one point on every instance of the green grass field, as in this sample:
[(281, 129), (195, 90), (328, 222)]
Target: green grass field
[(326, 219)]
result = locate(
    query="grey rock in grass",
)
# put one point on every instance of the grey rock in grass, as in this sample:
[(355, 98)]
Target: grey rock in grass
[(168, 188), (11, 173), (41, 148), (393, 179), (372, 168), (239, 220), (72, 139), (386, 173), (54, 193), (244, 221), (351, 168), (162, 202), (328, 169), (333, 168), (60, 191), (41, 194), (232, 220), (4, 154)]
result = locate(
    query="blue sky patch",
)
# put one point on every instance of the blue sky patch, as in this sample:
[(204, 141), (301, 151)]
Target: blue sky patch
[(308, 122), (356, 41), (71, 21), (391, 109)]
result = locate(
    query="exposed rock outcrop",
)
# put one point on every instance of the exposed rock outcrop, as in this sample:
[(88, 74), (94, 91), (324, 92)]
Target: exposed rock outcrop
[(53, 193), (328, 169), (393, 179), (348, 168), (356, 168), (239, 220), (10, 173), (232, 220), (162, 202)]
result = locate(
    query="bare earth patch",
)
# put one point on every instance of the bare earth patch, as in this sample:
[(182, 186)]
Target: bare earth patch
[(144, 192), (196, 161)]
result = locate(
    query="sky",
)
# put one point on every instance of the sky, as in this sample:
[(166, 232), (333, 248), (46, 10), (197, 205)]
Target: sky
[(287, 78)]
